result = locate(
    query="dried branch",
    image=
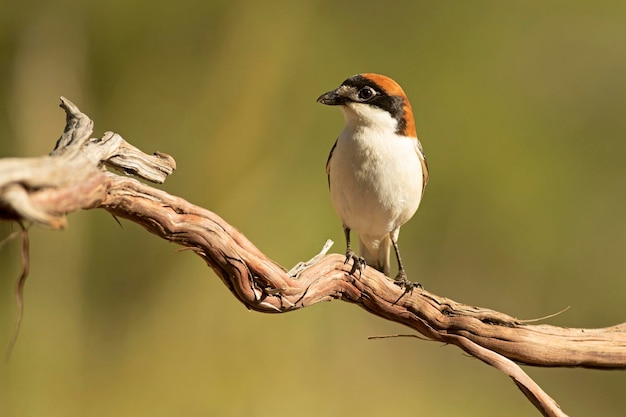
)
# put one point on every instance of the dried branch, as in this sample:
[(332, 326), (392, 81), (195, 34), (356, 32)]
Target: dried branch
[(74, 176), (19, 286)]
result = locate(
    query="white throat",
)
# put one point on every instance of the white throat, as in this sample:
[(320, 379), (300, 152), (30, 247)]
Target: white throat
[(359, 116)]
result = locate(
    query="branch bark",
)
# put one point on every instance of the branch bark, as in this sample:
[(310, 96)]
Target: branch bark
[(75, 176)]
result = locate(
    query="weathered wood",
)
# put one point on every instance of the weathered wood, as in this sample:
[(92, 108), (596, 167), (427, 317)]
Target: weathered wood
[(74, 176)]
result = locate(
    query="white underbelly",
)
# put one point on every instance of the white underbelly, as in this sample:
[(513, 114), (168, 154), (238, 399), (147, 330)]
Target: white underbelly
[(375, 185)]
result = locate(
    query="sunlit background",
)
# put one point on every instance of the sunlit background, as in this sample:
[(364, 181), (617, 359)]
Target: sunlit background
[(520, 107)]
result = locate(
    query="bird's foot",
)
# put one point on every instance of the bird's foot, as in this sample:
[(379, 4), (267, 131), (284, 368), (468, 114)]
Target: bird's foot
[(403, 282), (358, 262)]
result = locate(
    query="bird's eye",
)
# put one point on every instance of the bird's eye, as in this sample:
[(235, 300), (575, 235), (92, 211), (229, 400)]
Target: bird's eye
[(366, 93)]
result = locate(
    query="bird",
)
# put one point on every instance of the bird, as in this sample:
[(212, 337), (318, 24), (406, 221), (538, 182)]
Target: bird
[(377, 169)]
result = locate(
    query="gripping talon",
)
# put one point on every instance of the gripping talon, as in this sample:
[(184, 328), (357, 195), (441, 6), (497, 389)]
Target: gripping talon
[(402, 281), (358, 263)]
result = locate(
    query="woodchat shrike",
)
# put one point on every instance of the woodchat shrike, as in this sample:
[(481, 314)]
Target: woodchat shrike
[(376, 170)]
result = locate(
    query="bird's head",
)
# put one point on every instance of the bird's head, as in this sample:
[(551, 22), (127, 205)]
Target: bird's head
[(374, 101)]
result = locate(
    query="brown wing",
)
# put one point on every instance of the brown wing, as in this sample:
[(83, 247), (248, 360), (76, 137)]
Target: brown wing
[(330, 155), (422, 156)]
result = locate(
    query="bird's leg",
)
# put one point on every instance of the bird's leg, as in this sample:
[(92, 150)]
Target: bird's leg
[(401, 280), (358, 263)]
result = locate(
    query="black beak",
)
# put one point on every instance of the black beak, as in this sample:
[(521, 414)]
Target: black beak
[(331, 98)]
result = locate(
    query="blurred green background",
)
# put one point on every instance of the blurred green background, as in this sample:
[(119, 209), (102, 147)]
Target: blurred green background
[(520, 107)]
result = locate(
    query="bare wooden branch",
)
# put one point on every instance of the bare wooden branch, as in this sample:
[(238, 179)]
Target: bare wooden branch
[(74, 176), (42, 190)]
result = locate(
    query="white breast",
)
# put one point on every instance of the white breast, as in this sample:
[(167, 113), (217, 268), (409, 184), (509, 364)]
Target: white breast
[(375, 179)]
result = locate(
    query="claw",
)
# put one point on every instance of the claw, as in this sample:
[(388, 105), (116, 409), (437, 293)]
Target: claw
[(358, 263), (403, 282)]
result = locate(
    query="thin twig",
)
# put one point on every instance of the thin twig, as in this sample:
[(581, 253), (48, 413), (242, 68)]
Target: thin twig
[(19, 289)]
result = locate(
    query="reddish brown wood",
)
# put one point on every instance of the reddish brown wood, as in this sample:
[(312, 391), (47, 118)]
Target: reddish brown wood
[(43, 190)]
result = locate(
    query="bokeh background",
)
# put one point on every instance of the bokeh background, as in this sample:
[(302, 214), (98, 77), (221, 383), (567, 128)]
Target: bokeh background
[(520, 106)]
